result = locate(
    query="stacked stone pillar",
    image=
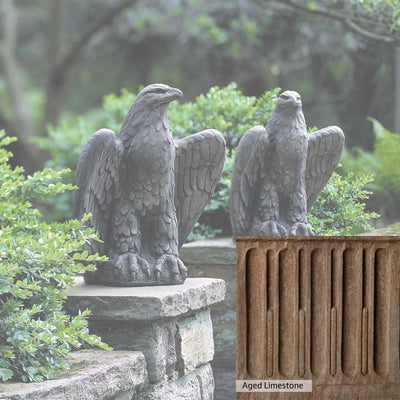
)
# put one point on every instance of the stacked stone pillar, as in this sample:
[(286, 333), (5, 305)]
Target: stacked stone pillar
[(170, 325)]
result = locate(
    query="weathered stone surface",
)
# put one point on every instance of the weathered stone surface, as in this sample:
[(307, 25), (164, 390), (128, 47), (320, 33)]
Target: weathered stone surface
[(209, 252), (143, 303), (98, 375), (188, 340), (127, 328), (195, 341), (223, 314), (198, 385), (320, 308), (157, 341)]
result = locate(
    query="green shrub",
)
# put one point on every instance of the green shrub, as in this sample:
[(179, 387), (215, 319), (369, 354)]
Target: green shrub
[(384, 165), (37, 263), (339, 209), (225, 109)]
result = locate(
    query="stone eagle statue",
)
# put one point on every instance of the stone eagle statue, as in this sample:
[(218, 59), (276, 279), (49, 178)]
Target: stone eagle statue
[(145, 192), (279, 172)]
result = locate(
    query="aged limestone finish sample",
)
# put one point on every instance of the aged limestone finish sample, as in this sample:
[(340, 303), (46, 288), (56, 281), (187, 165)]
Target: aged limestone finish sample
[(170, 325), (279, 172), (95, 375), (320, 308), (145, 192)]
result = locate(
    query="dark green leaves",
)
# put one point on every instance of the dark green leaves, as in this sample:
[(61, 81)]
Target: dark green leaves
[(37, 263)]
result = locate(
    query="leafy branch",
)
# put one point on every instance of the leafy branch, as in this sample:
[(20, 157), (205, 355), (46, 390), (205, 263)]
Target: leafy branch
[(358, 17)]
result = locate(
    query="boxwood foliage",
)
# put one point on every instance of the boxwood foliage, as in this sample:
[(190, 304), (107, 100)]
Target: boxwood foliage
[(37, 263)]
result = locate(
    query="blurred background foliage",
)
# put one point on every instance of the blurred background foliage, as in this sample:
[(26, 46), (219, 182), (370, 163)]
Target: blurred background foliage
[(59, 58)]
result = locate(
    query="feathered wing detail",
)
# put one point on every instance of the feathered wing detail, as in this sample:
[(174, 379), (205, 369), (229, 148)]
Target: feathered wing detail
[(325, 148), (98, 180), (245, 175), (199, 162)]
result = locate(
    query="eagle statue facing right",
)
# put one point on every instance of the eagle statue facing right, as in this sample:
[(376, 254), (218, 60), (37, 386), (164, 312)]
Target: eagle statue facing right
[(279, 172), (145, 192)]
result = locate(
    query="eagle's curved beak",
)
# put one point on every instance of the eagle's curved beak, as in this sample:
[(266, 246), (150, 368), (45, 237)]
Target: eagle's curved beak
[(173, 94)]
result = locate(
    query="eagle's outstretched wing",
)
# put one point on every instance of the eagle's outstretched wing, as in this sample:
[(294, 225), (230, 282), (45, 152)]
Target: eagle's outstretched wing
[(325, 147), (199, 162), (97, 178), (245, 176)]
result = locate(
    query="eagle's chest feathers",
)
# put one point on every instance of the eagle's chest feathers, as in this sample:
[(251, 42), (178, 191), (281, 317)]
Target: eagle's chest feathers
[(149, 166), (289, 144)]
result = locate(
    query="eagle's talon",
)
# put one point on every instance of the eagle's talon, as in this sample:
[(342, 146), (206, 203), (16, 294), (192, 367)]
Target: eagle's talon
[(301, 229), (182, 267), (129, 267), (157, 275), (271, 228), (157, 268), (144, 266), (146, 269), (133, 270), (177, 271)]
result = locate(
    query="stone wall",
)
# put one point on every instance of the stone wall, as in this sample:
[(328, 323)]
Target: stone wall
[(170, 325), (217, 259), (94, 375), (163, 337)]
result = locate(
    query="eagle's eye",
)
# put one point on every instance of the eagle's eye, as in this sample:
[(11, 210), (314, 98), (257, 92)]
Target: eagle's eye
[(158, 90), (284, 96)]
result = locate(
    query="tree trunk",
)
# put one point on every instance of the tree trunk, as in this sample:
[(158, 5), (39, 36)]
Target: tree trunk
[(362, 96), (396, 110), (54, 88), (62, 61), (22, 124)]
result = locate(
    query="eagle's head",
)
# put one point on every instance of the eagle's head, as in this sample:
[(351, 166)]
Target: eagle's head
[(158, 94), (288, 111), (149, 107), (289, 99)]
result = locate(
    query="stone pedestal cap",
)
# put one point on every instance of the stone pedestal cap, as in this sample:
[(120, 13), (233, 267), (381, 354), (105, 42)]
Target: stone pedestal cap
[(221, 251), (143, 303)]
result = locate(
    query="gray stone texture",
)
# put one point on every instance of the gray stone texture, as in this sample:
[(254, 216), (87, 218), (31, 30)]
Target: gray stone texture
[(143, 303), (172, 347), (195, 341), (95, 375), (145, 191), (219, 251), (279, 172), (217, 258), (198, 385), (176, 338)]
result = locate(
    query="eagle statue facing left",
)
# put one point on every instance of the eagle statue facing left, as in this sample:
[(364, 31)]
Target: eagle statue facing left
[(145, 192)]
